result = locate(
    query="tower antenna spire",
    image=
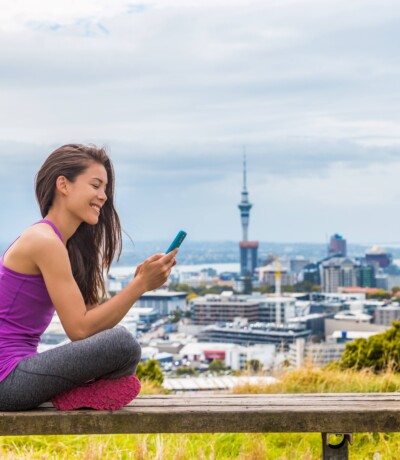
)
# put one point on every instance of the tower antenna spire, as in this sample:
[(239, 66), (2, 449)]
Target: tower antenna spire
[(244, 169)]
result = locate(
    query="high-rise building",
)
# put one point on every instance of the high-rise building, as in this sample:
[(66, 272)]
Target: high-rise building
[(366, 276), (338, 272), (337, 246), (248, 249), (378, 257), (312, 273)]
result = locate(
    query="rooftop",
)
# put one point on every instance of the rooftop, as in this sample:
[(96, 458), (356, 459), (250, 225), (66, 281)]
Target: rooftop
[(213, 383), (164, 293)]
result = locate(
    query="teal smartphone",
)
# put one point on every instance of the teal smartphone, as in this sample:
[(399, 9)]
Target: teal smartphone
[(177, 241)]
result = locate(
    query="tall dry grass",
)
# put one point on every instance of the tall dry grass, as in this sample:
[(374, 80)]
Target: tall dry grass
[(328, 380)]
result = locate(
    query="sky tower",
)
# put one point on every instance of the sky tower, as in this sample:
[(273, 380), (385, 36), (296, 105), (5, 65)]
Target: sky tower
[(248, 249), (245, 205)]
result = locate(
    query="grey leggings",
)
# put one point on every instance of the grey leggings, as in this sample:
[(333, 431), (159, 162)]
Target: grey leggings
[(109, 354)]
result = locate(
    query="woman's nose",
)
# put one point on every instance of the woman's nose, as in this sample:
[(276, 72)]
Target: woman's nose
[(103, 196)]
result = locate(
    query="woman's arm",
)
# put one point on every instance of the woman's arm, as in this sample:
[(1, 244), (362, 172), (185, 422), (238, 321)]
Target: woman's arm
[(79, 322)]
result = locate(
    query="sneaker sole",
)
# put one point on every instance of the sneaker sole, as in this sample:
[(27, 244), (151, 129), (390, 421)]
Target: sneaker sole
[(102, 394)]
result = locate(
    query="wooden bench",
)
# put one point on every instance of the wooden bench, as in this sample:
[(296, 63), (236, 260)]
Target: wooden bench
[(324, 413)]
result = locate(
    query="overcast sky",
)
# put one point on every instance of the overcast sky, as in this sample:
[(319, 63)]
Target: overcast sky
[(176, 88)]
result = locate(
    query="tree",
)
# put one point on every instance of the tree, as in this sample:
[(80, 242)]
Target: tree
[(285, 363), (190, 297), (199, 291), (177, 314), (266, 289), (307, 286), (381, 294), (217, 365), (185, 371), (150, 370), (379, 352), (254, 365)]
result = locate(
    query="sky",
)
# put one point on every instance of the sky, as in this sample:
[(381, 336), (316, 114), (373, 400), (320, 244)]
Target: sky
[(177, 89)]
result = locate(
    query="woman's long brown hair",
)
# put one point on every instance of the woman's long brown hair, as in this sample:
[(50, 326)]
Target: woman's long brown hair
[(92, 248)]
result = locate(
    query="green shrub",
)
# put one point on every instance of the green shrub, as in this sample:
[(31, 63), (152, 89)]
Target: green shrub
[(185, 371), (150, 370), (217, 365), (378, 353)]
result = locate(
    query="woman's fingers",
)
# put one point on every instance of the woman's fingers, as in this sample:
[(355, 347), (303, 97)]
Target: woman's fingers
[(156, 269), (154, 257), (168, 258)]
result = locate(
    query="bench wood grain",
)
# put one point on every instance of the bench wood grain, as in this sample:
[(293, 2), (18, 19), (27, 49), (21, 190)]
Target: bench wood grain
[(325, 413)]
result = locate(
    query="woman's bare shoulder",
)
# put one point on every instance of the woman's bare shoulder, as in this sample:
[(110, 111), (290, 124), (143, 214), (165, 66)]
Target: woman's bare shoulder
[(20, 256), (40, 234)]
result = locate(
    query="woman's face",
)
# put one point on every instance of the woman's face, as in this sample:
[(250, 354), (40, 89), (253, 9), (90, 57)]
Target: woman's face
[(88, 193)]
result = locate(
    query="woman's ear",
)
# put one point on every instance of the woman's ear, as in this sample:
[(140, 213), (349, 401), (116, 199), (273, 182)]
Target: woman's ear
[(62, 185)]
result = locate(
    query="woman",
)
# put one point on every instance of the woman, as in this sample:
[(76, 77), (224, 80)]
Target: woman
[(57, 264)]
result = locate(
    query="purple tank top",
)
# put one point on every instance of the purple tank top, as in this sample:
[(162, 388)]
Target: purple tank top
[(25, 313)]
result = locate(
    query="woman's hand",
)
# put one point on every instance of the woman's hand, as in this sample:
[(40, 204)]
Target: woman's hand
[(155, 270), (137, 270)]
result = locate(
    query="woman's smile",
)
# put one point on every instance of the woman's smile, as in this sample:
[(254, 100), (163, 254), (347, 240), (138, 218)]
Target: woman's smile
[(96, 208)]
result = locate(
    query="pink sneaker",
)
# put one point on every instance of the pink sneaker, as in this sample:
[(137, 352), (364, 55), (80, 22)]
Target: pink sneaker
[(111, 394)]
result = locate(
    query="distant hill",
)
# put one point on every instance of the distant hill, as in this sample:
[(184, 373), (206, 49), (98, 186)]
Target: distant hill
[(197, 252)]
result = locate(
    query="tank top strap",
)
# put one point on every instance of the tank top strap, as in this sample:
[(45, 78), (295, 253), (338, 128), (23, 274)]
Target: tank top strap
[(4, 253), (52, 225)]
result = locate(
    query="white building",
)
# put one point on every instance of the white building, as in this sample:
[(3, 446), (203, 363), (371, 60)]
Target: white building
[(267, 274), (353, 315), (385, 315), (346, 326), (139, 315), (317, 354), (214, 308), (344, 336), (234, 356), (337, 297), (164, 302), (199, 278), (276, 310)]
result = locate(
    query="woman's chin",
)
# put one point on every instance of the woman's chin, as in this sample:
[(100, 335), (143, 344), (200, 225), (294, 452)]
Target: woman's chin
[(92, 220)]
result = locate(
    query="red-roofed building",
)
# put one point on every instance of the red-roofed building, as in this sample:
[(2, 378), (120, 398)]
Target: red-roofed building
[(356, 290)]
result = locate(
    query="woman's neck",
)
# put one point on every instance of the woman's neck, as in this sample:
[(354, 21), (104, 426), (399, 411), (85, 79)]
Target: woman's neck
[(65, 224)]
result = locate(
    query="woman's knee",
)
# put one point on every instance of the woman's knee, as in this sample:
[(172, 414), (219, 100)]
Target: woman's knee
[(129, 346)]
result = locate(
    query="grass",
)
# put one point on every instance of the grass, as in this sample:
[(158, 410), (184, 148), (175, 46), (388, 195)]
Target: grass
[(274, 446), (282, 446), (329, 380)]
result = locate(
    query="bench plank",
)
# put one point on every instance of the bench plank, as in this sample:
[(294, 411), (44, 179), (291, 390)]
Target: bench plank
[(331, 413)]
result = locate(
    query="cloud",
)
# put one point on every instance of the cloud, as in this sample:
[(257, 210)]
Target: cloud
[(176, 88), (297, 196)]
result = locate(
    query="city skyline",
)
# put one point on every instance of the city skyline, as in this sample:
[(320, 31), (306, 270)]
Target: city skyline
[(176, 88)]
